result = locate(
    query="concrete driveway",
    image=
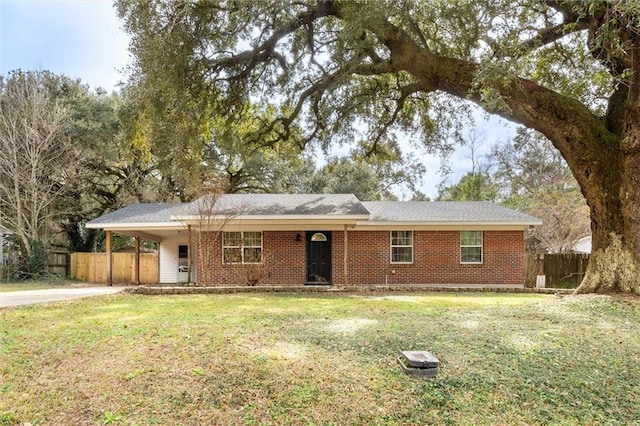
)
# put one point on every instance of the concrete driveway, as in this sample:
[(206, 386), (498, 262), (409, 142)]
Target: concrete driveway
[(31, 297)]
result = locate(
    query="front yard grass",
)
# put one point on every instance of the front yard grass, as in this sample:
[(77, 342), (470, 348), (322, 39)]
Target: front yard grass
[(507, 359)]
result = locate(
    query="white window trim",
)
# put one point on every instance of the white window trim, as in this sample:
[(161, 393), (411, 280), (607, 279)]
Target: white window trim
[(391, 246), (241, 247), (474, 245)]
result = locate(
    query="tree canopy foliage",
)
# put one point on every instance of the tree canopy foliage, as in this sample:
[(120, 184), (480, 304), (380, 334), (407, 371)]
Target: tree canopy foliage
[(471, 187), (336, 71)]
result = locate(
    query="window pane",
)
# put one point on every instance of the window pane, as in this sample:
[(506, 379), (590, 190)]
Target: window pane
[(401, 238), (232, 255), (232, 239), (252, 239), (471, 238), (401, 254), (471, 254), (252, 255)]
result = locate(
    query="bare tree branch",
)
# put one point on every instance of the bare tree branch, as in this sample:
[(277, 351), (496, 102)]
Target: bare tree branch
[(34, 157)]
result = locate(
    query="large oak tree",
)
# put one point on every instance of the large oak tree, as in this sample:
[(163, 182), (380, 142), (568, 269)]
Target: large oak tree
[(568, 69)]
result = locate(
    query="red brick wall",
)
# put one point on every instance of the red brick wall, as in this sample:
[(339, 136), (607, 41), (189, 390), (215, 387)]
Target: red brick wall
[(287, 256), (285, 263), (436, 260)]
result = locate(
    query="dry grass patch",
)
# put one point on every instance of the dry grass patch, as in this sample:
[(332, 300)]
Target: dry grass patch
[(39, 284), (295, 359)]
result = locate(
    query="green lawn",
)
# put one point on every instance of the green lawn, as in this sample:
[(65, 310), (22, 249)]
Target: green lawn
[(321, 360)]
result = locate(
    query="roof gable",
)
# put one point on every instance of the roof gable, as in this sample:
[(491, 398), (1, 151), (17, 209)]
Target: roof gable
[(283, 205)]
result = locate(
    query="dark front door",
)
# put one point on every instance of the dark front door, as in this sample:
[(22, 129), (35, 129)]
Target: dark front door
[(319, 257)]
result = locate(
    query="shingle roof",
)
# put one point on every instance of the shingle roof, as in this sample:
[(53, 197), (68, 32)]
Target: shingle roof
[(139, 213), (338, 205), (444, 211), (280, 205)]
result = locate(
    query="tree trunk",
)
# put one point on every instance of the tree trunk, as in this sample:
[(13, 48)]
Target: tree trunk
[(614, 265)]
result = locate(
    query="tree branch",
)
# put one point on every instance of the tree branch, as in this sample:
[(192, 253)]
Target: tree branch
[(564, 120), (405, 92), (266, 51), (546, 36)]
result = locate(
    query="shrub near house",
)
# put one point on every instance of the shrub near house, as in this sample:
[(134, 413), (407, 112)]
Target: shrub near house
[(296, 239)]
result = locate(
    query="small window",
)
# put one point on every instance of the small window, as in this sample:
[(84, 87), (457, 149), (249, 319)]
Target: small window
[(241, 247), (401, 246), (470, 246), (318, 236)]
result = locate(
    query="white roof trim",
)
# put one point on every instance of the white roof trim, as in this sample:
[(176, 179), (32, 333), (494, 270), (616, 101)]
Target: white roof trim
[(137, 225), (450, 227), (368, 223)]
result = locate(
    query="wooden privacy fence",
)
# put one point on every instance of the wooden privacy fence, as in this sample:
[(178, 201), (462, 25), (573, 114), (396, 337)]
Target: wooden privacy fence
[(560, 270), (92, 267), (59, 263)]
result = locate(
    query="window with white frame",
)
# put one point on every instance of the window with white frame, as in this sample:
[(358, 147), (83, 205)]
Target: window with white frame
[(471, 247), (241, 247), (401, 246)]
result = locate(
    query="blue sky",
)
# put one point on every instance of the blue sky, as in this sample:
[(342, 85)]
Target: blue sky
[(81, 39)]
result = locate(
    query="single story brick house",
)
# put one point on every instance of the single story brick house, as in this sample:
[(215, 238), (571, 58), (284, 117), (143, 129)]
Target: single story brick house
[(297, 239)]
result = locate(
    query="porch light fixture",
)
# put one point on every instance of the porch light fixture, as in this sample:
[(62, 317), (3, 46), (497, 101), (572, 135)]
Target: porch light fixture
[(298, 237)]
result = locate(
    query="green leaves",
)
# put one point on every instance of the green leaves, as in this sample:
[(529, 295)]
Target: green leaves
[(472, 187)]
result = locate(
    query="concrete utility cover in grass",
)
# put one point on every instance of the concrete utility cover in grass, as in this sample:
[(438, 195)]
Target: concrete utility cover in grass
[(419, 363)]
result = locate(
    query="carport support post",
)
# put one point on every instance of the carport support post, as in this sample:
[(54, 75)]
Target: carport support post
[(189, 254), (344, 260), (137, 260), (109, 265)]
